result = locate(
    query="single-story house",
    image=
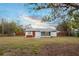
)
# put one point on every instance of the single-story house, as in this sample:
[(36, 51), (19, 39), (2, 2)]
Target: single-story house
[(40, 32)]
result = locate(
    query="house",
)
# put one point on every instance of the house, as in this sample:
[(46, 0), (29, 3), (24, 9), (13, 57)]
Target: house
[(39, 29), (40, 32)]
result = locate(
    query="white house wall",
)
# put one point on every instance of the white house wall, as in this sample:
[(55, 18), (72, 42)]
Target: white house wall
[(54, 34), (25, 34), (37, 34)]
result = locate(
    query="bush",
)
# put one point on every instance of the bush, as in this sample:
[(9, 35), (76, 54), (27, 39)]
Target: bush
[(77, 34)]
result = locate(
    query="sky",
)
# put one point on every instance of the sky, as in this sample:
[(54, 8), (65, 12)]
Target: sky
[(23, 14), (20, 13)]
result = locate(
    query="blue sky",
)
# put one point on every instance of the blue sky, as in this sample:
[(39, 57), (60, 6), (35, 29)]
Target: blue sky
[(11, 11), (14, 12), (18, 11)]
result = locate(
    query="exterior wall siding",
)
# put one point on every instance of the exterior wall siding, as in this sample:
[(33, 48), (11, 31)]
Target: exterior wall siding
[(54, 34), (37, 34)]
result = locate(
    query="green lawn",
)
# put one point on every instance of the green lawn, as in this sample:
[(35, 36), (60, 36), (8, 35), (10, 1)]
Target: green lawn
[(39, 46)]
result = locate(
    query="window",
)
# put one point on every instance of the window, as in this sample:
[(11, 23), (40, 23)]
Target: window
[(29, 33), (45, 33)]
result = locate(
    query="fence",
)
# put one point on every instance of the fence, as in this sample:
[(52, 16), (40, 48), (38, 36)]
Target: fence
[(63, 33), (13, 34)]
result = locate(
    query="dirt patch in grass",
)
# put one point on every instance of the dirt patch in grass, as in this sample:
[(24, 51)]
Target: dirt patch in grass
[(60, 50)]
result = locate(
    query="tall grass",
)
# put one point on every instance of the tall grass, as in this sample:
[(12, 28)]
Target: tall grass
[(20, 45)]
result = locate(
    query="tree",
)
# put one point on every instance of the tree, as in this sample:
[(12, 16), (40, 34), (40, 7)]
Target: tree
[(9, 27), (63, 26), (72, 10), (46, 18)]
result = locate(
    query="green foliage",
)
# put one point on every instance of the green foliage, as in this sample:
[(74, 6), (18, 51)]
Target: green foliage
[(9, 27), (74, 19), (63, 26), (46, 18), (72, 22), (78, 34)]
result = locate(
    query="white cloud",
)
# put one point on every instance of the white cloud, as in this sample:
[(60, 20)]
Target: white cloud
[(34, 22)]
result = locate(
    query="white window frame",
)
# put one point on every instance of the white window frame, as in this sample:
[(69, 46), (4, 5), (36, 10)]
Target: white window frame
[(29, 33)]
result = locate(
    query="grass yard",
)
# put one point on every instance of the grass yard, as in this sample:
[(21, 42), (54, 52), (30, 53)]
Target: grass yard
[(56, 46)]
